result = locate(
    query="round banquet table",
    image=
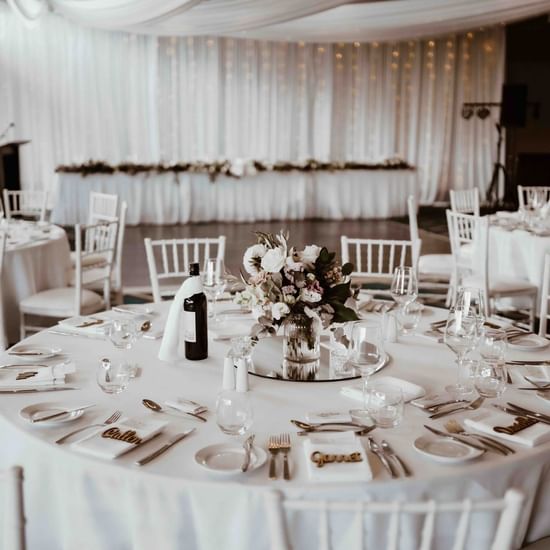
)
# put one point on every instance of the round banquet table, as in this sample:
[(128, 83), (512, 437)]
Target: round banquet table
[(32, 263), (76, 501)]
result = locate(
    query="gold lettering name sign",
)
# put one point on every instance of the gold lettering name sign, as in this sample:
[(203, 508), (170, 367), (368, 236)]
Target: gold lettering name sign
[(520, 423), (128, 436), (321, 459)]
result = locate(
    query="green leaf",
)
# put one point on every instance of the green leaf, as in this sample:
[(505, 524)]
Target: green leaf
[(347, 269), (324, 256), (339, 292), (343, 314)]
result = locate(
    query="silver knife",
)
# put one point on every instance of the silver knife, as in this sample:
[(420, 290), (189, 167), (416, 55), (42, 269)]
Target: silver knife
[(381, 457), (247, 450), (34, 390), (164, 448), (455, 438), (62, 413), (518, 411)]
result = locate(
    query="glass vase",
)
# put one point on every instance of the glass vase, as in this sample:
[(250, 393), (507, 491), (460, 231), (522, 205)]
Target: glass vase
[(301, 350)]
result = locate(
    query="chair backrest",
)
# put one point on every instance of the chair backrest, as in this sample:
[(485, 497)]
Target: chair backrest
[(169, 259), (545, 299), (465, 201), (101, 207), (12, 512), (396, 517), (412, 209), (526, 194), (3, 340), (117, 266), (376, 259), (25, 203), (95, 247)]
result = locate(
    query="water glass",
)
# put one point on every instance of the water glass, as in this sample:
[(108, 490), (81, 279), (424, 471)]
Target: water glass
[(233, 412), (113, 378), (339, 367), (123, 333), (408, 317), (490, 378), (404, 286), (493, 344), (385, 405)]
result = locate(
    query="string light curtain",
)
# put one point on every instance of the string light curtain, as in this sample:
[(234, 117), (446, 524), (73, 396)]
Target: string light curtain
[(82, 94)]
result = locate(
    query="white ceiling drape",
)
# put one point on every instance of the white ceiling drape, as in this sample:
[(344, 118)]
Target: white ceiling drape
[(290, 20)]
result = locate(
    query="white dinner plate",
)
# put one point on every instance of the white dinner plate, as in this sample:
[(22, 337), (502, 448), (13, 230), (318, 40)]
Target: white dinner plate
[(135, 309), (529, 342), (445, 450), (32, 354), (43, 409), (227, 458)]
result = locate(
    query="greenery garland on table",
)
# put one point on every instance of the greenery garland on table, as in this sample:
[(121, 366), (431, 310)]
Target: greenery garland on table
[(235, 169)]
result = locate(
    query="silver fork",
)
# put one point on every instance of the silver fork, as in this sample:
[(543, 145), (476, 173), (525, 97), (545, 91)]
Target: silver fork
[(455, 427), (273, 448), (113, 418), (284, 447)]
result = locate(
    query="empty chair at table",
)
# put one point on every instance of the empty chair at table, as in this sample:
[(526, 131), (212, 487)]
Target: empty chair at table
[(12, 509), (472, 269), (544, 312), (93, 265), (102, 206), (168, 260), (465, 201), (374, 260), (527, 195), (491, 524), (28, 203)]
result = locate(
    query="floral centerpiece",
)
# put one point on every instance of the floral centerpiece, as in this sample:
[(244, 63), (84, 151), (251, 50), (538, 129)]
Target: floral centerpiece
[(303, 290)]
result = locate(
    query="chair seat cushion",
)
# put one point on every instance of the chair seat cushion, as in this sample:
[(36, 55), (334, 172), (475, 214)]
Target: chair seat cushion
[(436, 264), (505, 287), (60, 302), (89, 260)]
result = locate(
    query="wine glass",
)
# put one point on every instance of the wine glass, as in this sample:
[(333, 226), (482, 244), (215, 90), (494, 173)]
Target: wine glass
[(491, 376), (404, 286), (461, 337), (366, 352), (473, 299), (214, 279)]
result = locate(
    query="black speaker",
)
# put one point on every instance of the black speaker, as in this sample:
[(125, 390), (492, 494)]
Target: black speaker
[(513, 112)]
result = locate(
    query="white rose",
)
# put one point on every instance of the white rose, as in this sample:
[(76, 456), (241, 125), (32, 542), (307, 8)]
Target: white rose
[(309, 295), (279, 310), (256, 251), (310, 254), (273, 260), (246, 298)]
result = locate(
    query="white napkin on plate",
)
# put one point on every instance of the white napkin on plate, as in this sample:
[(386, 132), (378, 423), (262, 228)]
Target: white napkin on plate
[(485, 420), (336, 444), (133, 429), (183, 405), (45, 376), (410, 391), (75, 324)]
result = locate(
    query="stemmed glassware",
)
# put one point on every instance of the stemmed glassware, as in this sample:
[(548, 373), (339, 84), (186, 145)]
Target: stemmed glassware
[(404, 286), (214, 280), (473, 299), (461, 338), (123, 334)]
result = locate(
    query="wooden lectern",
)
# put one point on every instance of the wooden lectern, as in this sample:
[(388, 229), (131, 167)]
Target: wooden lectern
[(9, 165)]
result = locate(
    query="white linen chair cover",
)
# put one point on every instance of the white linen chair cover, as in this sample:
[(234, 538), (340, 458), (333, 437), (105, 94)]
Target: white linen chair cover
[(168, 260), (25, 203), (102, 206), (375, 260), (12, 510), (544, 312), (473, 269), (509, 509), (465, 201), (525, 194), (94, 262)]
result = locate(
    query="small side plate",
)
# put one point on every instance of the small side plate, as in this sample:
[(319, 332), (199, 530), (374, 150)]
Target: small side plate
[(43, 409), (444, 450), (32, 354), (227, 458), (529, 342)]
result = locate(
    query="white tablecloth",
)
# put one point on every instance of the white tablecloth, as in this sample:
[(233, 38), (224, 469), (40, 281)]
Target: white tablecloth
[(182, 198), (74, 501), (28, 269)]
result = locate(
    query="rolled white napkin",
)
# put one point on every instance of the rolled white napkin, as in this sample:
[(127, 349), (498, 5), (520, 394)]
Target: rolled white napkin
[(485, 420), (184, 405), (45, 376), (127, 435), (410, 391), (171, 347), (344, 443)]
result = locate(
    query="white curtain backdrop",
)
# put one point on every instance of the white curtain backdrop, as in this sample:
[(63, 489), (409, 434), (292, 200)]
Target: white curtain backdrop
[(83, 94)]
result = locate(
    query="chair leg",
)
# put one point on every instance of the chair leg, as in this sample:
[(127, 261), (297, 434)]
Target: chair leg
[(533, 312), (22, 328)]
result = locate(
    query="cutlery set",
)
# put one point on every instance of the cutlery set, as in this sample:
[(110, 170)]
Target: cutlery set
[(387, 457), (279, 443)]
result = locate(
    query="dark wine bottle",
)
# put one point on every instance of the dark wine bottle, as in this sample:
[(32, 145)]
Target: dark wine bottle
[(195, 322)]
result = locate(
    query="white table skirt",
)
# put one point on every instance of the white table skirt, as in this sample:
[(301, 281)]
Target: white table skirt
[(29, 269), (75, 501), (185, 197)]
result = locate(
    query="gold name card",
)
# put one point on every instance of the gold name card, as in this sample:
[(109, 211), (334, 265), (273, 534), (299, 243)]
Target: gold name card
[(129, 436), (520, 423), (321, 459)]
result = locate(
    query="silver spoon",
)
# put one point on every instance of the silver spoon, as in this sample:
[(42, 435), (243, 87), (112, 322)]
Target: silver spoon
[(154, 406)]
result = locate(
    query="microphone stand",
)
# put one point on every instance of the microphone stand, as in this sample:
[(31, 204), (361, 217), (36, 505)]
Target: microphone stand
[(498, 167), (10, 125)]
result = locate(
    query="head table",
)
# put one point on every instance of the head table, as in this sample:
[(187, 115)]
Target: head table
[(76, 501)]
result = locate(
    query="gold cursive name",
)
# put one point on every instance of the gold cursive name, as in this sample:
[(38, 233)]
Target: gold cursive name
[(321, 459), (520, 423), (128, 436)]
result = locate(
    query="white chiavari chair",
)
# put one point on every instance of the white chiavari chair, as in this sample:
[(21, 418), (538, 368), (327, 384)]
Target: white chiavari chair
[(93, 266), (375, 260), (102, 206), (526, 194), (465, 201), (12, 510), (28, 202), (168, 260), (503, 514), (544, 312), (3, 342), (473, 269)]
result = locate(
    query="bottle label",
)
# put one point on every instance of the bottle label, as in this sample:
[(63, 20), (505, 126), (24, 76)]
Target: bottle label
[(189, 326)]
